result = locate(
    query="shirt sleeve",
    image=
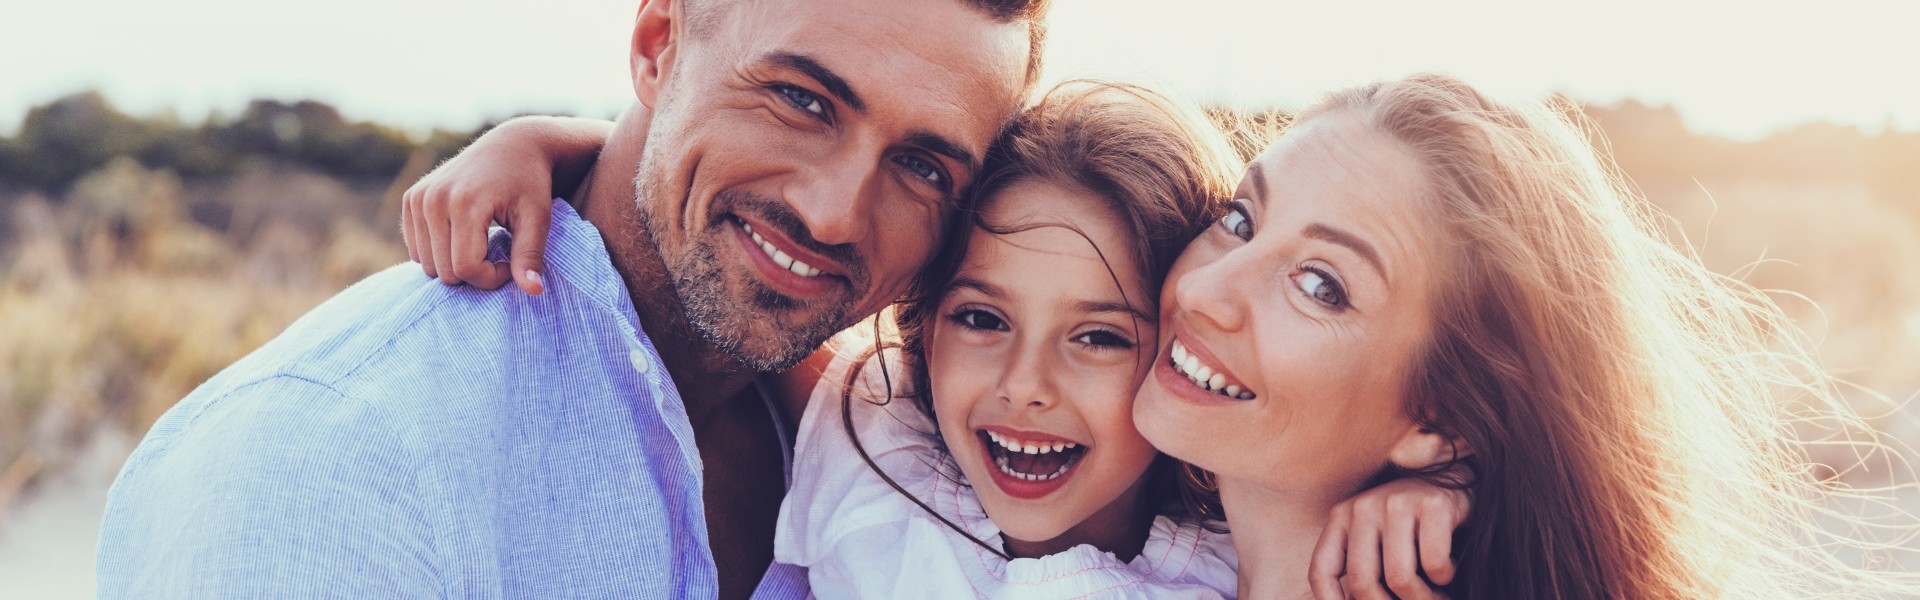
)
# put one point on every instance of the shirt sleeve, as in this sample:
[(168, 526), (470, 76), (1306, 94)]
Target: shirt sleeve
[(282, 488)]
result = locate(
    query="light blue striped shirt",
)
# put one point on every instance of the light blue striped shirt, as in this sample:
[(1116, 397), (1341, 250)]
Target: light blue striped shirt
[(409, 439)]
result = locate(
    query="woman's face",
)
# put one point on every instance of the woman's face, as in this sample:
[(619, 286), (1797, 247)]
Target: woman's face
[(1034, 357), (1288, 328)]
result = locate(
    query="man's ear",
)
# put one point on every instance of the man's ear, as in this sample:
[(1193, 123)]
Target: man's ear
[(1421, 447), (656, 36)]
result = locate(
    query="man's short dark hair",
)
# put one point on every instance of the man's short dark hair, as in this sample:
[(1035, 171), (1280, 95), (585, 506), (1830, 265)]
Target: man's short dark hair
[(1032, 13)]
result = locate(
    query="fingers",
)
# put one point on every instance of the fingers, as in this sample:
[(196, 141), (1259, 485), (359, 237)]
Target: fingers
[(1363, 551), (1439, 515), (406, 237), (468, 248), (1399, 557), (440, 242), (1330, 555), (530, 222)]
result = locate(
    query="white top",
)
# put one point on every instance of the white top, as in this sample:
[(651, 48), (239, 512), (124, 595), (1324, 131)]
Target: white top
[(860, 538)]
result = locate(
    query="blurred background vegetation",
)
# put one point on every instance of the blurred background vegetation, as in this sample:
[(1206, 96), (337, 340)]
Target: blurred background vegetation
[(139, 255)]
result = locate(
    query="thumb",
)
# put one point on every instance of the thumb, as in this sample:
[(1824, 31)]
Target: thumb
[(529, 257)]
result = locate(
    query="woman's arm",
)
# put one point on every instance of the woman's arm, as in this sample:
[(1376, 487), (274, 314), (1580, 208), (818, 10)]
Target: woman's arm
[(510, 175)]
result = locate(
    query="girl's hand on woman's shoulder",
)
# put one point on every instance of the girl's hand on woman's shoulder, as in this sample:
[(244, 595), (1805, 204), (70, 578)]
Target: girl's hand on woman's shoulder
[(1392, 541), (510, 175)]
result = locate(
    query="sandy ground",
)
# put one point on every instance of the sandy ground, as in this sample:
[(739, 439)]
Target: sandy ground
[(47, 544)]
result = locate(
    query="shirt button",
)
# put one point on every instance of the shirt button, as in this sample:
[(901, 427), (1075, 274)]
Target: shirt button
[(640, 362)]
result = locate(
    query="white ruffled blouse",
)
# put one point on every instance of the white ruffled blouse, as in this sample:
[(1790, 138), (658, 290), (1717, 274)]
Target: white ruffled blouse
[(858, 537)]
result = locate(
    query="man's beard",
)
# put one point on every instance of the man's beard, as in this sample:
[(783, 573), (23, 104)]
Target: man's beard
[(756, 326)]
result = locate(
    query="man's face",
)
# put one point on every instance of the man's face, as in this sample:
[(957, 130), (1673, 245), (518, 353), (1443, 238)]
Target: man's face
[(804, 155)]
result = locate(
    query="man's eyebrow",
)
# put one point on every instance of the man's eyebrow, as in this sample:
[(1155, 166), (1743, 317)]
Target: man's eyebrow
[(1320, 231), (820, 73), (933, 142)]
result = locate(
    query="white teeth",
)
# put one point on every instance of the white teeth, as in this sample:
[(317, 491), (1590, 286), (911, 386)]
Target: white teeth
[(1007, 470), (779, 257), (1017, 446), (1204, 377)]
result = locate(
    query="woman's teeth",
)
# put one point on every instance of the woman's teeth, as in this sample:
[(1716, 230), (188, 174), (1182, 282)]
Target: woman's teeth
[(780, 258), (1205, 376)]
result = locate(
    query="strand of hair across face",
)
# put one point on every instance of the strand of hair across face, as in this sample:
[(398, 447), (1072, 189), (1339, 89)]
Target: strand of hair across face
[(846, 421)]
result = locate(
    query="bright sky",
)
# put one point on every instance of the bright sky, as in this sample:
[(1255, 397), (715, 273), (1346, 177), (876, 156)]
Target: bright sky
[(1740, 69)]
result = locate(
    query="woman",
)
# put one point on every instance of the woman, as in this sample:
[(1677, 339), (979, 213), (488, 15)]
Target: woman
[(1418, 280)]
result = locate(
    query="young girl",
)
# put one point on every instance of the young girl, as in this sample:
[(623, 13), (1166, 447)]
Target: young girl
[(985, 446)]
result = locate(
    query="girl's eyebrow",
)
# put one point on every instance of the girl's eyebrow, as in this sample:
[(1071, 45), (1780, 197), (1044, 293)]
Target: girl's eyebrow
[(978, 286), (1092, 306)]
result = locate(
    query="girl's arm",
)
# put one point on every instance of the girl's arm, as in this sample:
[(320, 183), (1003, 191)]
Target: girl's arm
[(510, 175), (1387, 538)]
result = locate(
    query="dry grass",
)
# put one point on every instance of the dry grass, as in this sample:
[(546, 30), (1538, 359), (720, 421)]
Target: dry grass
[(114, 306)]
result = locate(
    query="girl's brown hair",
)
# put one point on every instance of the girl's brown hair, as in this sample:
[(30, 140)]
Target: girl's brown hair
[(1624, 405), (1161, 168)]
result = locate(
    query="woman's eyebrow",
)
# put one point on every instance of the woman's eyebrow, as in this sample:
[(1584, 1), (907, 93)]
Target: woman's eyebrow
[(1327, 233)]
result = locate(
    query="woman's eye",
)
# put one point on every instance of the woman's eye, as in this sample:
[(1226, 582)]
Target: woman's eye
[(1321, 287), (802, 99), (1235, 222), (979, 319), (923, 169), (1102, 338)]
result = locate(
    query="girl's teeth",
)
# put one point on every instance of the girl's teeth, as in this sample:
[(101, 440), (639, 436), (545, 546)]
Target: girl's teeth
[(1233, 391), (1179, 351), (1216, 381), (1191, 364)]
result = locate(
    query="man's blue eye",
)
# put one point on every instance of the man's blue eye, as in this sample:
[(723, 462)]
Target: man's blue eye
[(922, 168), (803, 100)]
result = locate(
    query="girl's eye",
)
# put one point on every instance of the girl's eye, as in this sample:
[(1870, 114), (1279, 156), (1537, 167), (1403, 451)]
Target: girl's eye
[(923, 169), (802, 99), (1236, 222), (1101, 338), (973, 318), (1321, 287)]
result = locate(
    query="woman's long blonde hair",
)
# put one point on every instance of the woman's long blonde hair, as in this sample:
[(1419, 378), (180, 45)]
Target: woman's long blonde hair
[(1628, 410)]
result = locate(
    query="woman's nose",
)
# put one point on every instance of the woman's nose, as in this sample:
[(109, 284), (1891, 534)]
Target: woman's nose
[(1215, 293)]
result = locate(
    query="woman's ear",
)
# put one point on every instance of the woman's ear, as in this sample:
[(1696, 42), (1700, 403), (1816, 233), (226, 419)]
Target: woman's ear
[(1422, 447), (656, 35)]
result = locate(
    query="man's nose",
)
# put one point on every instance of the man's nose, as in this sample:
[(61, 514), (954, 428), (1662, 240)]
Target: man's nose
[(835, 197)]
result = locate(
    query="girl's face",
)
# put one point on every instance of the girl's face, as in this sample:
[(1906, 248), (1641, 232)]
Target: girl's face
[(1034, 357), (1288, 328)]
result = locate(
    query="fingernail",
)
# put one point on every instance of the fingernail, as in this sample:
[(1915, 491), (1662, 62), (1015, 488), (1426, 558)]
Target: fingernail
[(534, 276)]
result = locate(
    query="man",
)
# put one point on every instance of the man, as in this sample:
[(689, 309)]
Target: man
[(602, 439)]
